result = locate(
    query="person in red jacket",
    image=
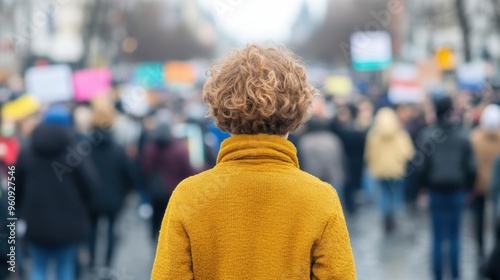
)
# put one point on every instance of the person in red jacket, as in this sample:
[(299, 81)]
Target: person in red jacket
[(9, 145)]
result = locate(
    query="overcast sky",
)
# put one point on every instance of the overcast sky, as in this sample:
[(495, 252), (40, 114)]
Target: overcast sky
[(259, 20)]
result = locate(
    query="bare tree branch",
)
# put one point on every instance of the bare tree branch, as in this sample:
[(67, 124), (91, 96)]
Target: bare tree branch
[(464, 26)]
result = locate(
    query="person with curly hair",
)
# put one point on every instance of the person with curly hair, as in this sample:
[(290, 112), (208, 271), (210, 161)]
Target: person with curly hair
[(255, 215)]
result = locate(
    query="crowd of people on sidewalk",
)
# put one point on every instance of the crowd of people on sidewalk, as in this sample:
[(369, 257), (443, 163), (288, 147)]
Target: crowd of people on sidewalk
[(438, 150), (74, 168)]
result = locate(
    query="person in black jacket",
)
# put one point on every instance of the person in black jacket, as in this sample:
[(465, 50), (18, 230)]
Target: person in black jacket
[(353, 136), (54, 184), (491, 269), (447, 170), (116, 175)]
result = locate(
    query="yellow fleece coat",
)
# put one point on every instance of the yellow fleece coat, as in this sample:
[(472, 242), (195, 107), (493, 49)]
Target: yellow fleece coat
[(255, 215), (388, 147)]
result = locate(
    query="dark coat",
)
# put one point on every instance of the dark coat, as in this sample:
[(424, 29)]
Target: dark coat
[(115, 171), (354, 142), (448, 159), (54, 184), (491, 270), (170, 158)]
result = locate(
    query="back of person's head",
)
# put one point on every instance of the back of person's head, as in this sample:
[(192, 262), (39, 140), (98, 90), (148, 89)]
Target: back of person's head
[(316, 124), (102, 117), (57, 115), (53, 136), (386, 121), (258, 90), (444, 107), (490, 118), (162, 135)]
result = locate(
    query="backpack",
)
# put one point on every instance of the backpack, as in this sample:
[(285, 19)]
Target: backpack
[(449, 166), (446, 167)]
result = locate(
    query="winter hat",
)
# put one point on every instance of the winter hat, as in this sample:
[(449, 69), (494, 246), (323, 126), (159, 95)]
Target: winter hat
[(490, 118), (58, 115)]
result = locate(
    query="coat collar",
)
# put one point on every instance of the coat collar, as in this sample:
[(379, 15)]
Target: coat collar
[(258, 147)]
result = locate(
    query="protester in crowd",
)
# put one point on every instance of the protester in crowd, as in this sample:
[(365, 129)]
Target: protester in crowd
[(495, 184), (491, 269), (148, 123), (447, 170), (166, 164), (388, 150), (342, 119), (485, 141), (54, 184), (413, 121), (9, 145), (364, 120), (364, 113), (353, 136), (323, 153), (115, 171), (255, 213)]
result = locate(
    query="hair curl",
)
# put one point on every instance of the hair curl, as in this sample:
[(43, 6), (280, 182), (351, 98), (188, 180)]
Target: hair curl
[(258, 90)]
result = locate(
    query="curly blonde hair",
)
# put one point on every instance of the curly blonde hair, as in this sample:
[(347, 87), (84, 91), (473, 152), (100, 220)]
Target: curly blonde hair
[(258, 90)]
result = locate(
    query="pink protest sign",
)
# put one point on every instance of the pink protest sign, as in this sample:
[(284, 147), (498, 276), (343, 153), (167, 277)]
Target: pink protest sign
[(90, 83)]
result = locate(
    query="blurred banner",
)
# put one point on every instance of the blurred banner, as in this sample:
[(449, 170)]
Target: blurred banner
[(51, 83), (404, 86), (90, 83), (178, 72), (471, 76), (371, 50), (20, 108), (429, 73), (149, 75), (338, 85)]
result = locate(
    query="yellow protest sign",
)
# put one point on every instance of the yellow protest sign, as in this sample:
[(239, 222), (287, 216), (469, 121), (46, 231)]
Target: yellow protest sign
[(445, 59), (338, 85), (20, 108)]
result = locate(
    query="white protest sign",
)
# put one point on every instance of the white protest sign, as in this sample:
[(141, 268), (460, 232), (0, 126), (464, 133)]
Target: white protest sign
[(51, 83), (404, 86)]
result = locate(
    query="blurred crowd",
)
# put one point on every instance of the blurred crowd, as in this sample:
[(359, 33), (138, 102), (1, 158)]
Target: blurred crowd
[(77, 163)]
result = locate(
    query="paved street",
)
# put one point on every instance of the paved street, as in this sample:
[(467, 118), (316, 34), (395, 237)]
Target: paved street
[(403, 255)]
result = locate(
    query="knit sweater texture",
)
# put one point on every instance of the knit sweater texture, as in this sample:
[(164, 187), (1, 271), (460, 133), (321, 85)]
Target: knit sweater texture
[(255, 215)]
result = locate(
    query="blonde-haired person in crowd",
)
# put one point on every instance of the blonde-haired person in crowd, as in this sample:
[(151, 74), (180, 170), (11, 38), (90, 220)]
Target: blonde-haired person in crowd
[(485, 140), (388, 150), (255, 215)]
